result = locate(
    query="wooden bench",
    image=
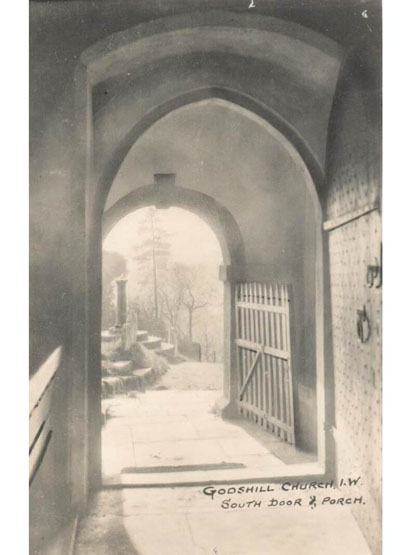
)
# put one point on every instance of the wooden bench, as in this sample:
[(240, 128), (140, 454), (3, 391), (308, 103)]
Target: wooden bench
[(40, 398)]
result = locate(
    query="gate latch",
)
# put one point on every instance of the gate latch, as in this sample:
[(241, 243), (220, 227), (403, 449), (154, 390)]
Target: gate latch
[(363, 325), (328, 427)]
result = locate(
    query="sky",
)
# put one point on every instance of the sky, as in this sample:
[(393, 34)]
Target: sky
[(193, 241)]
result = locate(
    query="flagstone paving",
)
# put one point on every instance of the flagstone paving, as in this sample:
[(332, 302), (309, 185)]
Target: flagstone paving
[(184, 521)]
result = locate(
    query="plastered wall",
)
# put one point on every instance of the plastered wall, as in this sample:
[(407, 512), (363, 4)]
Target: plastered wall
[(354, 182)]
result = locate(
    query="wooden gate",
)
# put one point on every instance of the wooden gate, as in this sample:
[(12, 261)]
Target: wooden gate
[(264, 357)]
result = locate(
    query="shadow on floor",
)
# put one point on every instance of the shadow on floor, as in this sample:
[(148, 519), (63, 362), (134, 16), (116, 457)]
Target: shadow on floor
[(277, 447), (103, 532)]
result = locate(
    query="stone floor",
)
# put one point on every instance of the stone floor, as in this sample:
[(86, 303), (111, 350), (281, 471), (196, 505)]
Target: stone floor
[(173, 429), (191, 375), (184, 521), (166, 429)]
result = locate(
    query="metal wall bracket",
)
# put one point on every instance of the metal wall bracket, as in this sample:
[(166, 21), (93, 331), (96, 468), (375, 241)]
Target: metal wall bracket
[(374, 273)]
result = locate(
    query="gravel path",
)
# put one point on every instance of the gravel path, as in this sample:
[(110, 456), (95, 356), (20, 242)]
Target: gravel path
[(192, 375)]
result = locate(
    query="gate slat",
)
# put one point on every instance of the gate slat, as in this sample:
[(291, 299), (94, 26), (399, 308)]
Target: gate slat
[(289, 331), (260, 372), (253, 389), (239, 331), (247, 352), (284, 364), (269, 382), (247, 334), (286, 369), (256, 339), (278, 339), (273, 361), (258, 369), (242, 351), (263, 358)]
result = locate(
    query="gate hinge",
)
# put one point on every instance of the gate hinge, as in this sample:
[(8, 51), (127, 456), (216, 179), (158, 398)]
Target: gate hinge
[(328, 427)]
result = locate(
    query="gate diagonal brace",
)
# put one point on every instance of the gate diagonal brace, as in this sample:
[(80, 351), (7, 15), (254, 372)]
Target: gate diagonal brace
[(251, 372)]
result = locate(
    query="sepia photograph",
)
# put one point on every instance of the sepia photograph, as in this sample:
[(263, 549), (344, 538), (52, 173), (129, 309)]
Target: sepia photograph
[(206, 277)]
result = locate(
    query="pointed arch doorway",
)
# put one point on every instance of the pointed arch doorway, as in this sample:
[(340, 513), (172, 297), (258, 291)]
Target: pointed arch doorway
[(163, 193), (238, 375), (104, 146)]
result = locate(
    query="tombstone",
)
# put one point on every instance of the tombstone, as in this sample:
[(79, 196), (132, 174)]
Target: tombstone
[(129, 331), (173, 339), (121, 302)]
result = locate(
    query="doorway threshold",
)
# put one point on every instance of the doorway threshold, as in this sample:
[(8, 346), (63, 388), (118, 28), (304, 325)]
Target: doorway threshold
[(300, 472), (181, 468)]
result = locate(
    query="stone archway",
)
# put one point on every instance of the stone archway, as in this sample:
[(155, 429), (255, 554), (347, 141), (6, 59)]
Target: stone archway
[(101, 160), (244, 103), (164, 193)]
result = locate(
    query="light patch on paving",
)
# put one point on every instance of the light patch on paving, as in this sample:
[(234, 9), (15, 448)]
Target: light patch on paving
[(175, 424), (177, 427), (184, 521)]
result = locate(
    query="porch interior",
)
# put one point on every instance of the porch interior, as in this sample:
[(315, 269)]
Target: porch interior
[(173, 434), (288, 102)]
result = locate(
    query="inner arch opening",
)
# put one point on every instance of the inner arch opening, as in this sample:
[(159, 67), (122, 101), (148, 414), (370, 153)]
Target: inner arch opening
[(238, 164), (162, 342)]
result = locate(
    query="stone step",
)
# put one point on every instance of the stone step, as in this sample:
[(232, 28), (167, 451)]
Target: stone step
[(108, 337), (145, 374), (122, 367), (142, 335), (119, 385), (167, 350), (112, 386), (152, 342)]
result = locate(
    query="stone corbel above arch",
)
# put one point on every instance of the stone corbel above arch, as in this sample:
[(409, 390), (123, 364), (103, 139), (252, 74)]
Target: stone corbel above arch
[(165, 190)]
